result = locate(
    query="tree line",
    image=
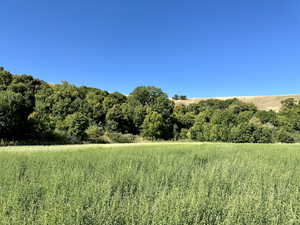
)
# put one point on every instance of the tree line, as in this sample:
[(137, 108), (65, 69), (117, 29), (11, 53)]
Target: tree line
[(35, 112)]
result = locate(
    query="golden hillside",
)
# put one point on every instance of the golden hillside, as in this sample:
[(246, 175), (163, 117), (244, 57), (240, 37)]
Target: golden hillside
[(262, 102)]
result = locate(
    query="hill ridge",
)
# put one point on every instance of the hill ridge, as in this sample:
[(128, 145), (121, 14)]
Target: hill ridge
[(271, 102)]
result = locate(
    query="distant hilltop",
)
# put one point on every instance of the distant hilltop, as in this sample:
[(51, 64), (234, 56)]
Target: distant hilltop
[(261, 102)]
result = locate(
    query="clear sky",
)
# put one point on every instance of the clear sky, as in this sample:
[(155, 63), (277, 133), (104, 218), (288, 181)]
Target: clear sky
[(198, 48)]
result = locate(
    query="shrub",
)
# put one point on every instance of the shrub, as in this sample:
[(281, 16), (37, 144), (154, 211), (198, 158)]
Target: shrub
[(183, 97), (153, 126), (119, 138), (4, 142), (263, 134), (251, 133), (184, 133), (199, 132), (175, 97), (95, 134), (284, 137), (242, 133), (73, 127)]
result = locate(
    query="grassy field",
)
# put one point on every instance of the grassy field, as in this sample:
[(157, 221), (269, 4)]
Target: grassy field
[(183, 183)]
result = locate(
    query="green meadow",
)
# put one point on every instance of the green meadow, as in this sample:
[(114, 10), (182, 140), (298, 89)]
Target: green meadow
[(159, 184)]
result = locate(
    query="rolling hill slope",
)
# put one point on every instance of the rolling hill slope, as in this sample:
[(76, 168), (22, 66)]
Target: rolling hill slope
[(262, 102)]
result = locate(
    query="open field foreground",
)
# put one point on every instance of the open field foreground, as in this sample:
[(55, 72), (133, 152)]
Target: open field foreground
[(183, 183)]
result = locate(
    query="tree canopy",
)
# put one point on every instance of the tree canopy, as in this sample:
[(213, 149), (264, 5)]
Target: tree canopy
[(33, 111)]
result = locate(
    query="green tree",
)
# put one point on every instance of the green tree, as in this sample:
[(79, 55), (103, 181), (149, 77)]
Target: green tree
[(117, 120), (165, 106), (96, 110), (13, 116), (139, 114), (153, 126), (222, 121), (263, 134), (145, 95), (267, 117), (74, 126), (244, 117), (288, 104), (113, 99), (200, 131), (5, 79), (251, 133), (175, 97), (242, 133), (238, 107), (184, 121), (284, 136)]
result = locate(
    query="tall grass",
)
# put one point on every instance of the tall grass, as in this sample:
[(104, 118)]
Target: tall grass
[(152, 184)]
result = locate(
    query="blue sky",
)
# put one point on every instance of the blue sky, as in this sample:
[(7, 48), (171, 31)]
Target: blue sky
[(199, 48)]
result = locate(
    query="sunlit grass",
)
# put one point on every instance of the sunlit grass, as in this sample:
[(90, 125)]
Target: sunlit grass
[(164, 183)]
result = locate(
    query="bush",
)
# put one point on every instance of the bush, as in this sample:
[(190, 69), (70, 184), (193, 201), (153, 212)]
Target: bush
[(251, 133), (242, 133), (153, 126), (284, 137), (95, 134), (184, 133), (119, 138), (74, 127), (175, 97), (4, 142), (296, 137), (199, 132), (263, 135)]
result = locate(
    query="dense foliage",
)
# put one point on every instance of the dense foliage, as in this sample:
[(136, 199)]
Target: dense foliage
[(179, 97), (151, 184), (33, 111)]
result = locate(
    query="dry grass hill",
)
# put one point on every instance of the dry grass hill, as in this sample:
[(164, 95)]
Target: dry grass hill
[(262, 102)]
